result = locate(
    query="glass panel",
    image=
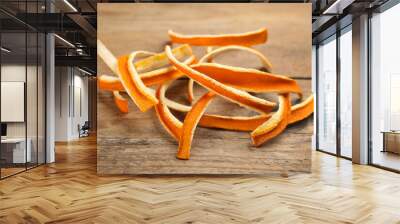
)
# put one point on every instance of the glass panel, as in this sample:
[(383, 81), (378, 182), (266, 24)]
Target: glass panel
[(31, 98), (313, 74), (385, 83), (327, 96), (346, 94), (13, 87), (41, 98)]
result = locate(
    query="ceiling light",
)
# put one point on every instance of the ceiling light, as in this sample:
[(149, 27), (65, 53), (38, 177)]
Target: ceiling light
[(64, 40), (5, 50), (70, 5), (337, 7), (84, 71)]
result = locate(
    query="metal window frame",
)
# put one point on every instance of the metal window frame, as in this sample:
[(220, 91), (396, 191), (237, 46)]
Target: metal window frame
[(339, 32)]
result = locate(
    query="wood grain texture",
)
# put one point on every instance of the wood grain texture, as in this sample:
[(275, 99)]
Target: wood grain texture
[(136, 143), (70, 191)]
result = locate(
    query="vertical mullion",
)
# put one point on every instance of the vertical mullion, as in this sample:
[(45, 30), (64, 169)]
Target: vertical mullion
[(37, 90), (45, 87), (317, 96), (338, 74), (26, 87), (369, 100)]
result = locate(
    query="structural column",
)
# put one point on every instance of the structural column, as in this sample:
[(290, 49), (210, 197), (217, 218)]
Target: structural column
[(50, 92), (360, 90)]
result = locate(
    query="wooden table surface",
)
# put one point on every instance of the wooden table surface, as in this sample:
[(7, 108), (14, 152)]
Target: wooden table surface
[(136, 143)]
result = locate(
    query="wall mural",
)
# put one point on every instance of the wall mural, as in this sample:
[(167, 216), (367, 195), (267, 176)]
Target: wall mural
[(204, 88)]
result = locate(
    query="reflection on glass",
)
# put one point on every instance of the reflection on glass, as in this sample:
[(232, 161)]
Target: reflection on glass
[(327, 96), (31, 97), (15, 151), (386, 89), (41, 99), (346, 94)]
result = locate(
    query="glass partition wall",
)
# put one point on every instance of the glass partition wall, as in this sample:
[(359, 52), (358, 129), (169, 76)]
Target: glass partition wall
[(385, 89), (327, 95), (22, 107), (334, 93)]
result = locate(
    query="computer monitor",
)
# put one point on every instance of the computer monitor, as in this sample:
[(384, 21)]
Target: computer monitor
[(3, 129)]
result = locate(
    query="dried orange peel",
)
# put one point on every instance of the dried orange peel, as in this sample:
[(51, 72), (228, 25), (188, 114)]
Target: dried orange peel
[(298, 112), (167, 119), (121, 102), (229, 93), (274, 125), (144, 93), (247, 39), (137, 77), (189, 125), (156, 77)]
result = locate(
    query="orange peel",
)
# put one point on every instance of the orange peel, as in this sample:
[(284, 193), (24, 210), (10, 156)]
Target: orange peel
[(167, 119), (302, 110), (121, 102), (235, 123), (131, 88), (274, 125), (189, 125), (213, 53), (229, 82), (230, 93), (143, 92), (249, 38), (247, 79)]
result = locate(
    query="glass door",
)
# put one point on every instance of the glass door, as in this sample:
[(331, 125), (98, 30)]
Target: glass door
[(346, 95), (327, 95), (385, 89)]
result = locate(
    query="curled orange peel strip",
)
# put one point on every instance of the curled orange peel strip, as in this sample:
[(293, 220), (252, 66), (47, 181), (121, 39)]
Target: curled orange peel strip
[(167, 119), (298, 112), (131, 88), (251, 80), (121, 102), (234, 123), (211, 54), (152, 62), (160, 76), (157, 61), (190, 123), (274, 125), (302, 110), (247, 39), (230, 93), (143, 92), (110, 83), (156, 77)]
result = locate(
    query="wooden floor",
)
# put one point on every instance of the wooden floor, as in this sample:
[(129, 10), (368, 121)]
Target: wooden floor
[(69, 191)]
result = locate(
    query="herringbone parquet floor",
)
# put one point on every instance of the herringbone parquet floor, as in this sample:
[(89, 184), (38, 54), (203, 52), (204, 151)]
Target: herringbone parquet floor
[(69, 191)]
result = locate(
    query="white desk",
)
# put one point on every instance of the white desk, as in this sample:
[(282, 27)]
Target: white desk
[(19, 155)]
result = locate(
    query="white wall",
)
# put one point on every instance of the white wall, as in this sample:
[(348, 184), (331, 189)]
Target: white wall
[(12, 73), (33, 127), (71, 94)]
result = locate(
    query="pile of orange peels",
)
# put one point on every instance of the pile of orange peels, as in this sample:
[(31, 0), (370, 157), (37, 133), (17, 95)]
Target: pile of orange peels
[(134, 77)]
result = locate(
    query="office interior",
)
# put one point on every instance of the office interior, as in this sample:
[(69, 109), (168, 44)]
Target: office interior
[(48, 80)]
